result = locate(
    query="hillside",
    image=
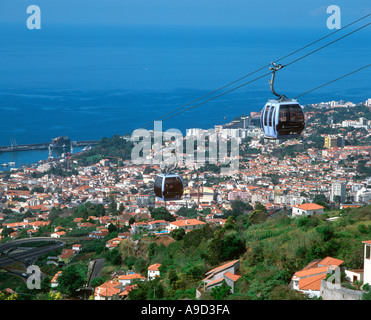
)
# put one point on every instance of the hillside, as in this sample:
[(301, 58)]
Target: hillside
[(270, 250)]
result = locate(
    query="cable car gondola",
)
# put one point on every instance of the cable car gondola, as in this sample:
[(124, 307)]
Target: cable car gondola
[(169, 186), (281, 118)]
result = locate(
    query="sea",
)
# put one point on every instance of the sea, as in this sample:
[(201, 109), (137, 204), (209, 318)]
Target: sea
[(93, 81)]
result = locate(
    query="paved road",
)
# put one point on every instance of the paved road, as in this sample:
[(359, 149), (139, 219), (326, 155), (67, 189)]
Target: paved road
[(98, 265), (26, 255)]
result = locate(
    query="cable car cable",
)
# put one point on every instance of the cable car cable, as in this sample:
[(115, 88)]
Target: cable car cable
[(326, 45), (325, 84), (257, 70)]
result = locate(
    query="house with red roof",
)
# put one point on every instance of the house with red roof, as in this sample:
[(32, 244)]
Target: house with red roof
[(126, 291), (308, 280), (227, 272), (110, 290), (153, 271), (58, 234), (186, 224), (113, 243), (67, 255), (307, 209), (127, 279), (54, 281)]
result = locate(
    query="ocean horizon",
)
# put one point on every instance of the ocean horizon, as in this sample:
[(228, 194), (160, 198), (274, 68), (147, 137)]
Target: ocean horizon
[(90, 82)]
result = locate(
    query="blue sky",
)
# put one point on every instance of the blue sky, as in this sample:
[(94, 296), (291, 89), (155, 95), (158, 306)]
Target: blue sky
[(303, 13)]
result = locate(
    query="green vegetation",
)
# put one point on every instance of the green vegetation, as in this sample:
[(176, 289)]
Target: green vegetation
[(161, 213), (114, 147), (270, 250)]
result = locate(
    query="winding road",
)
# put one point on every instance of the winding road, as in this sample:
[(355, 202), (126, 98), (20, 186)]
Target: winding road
[(28, 255)]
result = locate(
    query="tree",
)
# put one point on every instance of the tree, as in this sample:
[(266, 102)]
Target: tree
[(121, 207), (260, 207), (221, 292), (239, 207), (147, 290), (177, 234), (326, 231), (283, 292), (114, 256), (73, 278), (224, 247), (7, 231), (161, 213), (112, 206), (367, 295), (230, 223), (258, 216), (140, 265), (320, 198), (337, 199), (37, 189), (112, 228)]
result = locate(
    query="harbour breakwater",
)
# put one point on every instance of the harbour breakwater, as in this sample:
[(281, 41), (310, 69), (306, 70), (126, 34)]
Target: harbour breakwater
[(44, 146)]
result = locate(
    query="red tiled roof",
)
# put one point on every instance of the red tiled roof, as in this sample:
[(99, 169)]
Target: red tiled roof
[(310, 272), (312, 283), (131, 276), (310, 206), (328, 261), (154, 267), (187, 222), (214, 282), (224, 266), (233, 277), (108, 289)]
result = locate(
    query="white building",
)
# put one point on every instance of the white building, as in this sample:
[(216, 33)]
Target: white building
[(354, 275), (367, 262), (139, 226), (129, 278), (363, 195), (308, 280), (227, 272), (307, 209), (338, 189), (186, 224), (54, 281), (153, 271)]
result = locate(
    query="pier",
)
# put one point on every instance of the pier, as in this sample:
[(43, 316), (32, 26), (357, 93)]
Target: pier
[(45, 146)]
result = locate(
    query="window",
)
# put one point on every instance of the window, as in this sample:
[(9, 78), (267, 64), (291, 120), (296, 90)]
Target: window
[(271, 116), (368, 251), (158, 187), (291, 113), (284, 113), (266, 116), (296, 113)]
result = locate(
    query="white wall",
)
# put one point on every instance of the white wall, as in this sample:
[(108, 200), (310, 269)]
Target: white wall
[(367, 265)]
